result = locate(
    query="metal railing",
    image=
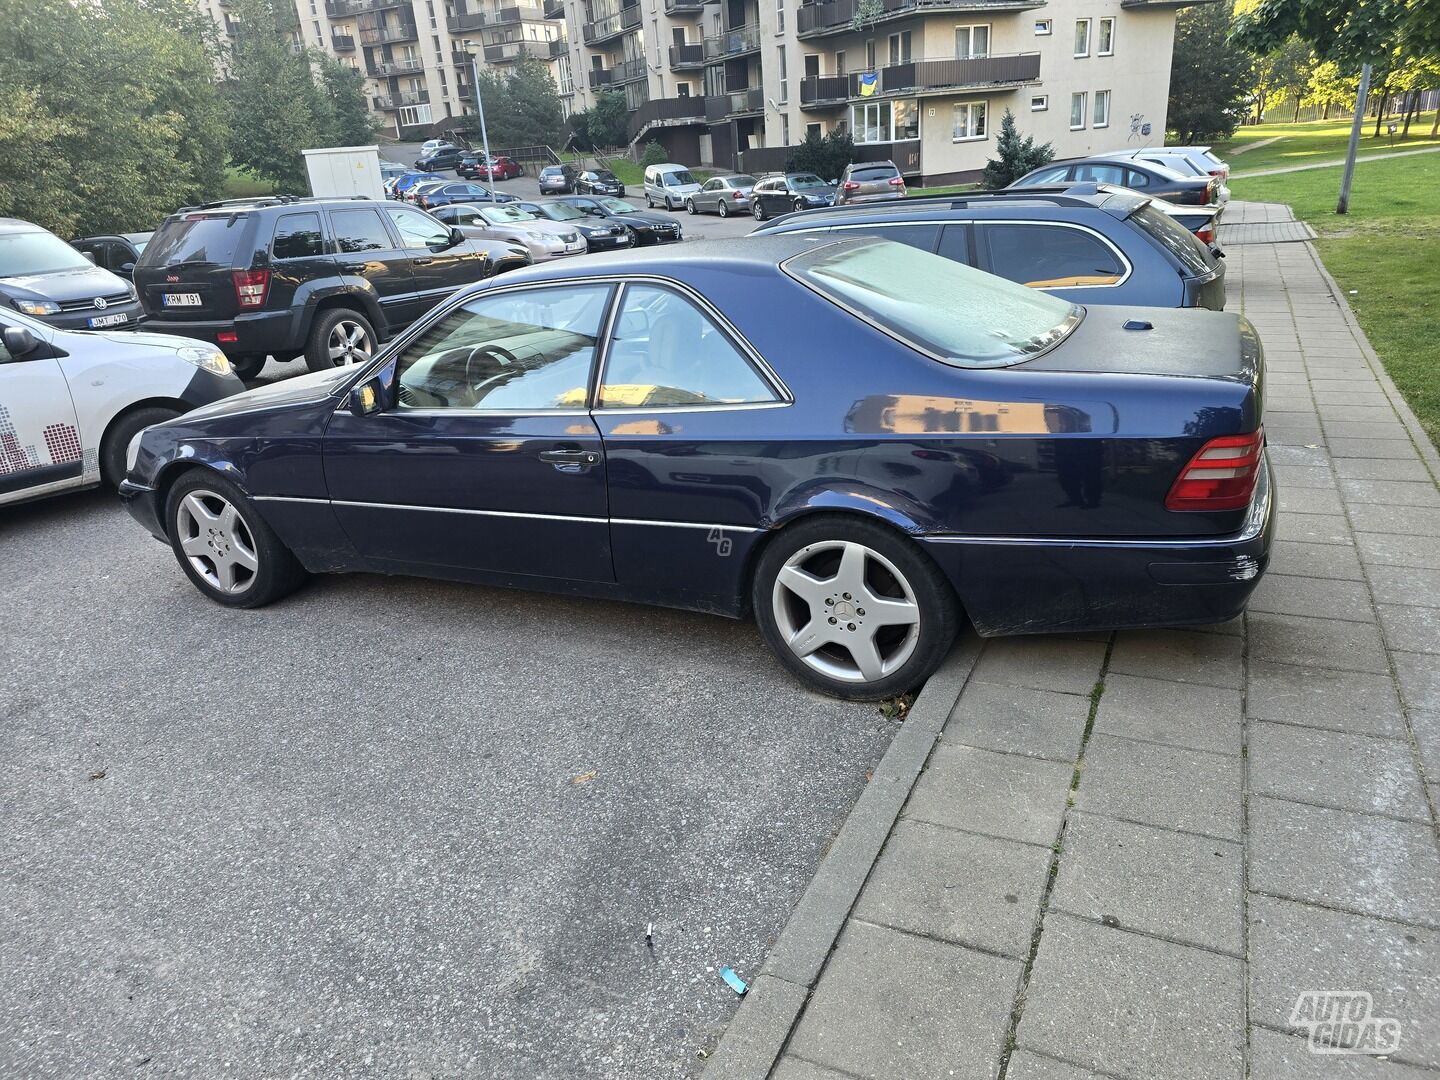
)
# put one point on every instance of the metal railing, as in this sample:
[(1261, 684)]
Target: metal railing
[(610, 26), (342, 42), (382, 69), (838, 16), (687, 57), (662, 112), (736, 42), (399, 101), (386, 34), (948, 73)]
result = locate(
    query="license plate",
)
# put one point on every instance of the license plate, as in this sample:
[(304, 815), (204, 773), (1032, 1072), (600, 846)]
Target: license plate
[(108, 320), (180, 299)]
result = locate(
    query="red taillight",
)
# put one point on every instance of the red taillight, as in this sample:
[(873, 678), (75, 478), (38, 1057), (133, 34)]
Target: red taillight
[(851, 185), (1221, 475), (227, 337), (897, 181), (251, 287), (737, 195), (1206, 235)]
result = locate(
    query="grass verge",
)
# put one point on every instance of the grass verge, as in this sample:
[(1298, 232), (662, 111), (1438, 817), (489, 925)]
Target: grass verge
[(1316, 140), (1386, 256)]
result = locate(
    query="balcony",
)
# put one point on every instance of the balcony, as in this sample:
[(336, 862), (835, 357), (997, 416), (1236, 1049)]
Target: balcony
[(400, 101), (838, 16), (465, 21), (602, 78), (687, 57), (611, 26), (737, 42), (386, 35), (340, 9), (553, 9), (684, 7), (507, 52), (923, 77), (557, 47), (383, 69), (666, 112), (749, 102), (342, 42)]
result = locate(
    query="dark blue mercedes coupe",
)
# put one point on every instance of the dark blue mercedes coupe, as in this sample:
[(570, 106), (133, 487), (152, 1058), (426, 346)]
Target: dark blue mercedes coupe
[(859, 443)]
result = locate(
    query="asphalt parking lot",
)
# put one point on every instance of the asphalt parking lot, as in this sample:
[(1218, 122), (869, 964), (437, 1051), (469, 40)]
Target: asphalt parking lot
[(388, 827)]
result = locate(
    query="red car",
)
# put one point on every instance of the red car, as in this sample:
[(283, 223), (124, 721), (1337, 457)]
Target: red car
[(474, 167)]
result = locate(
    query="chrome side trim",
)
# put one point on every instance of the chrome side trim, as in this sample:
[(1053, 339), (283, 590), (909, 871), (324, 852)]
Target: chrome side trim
[(288, 498), (687, 525), (1255, 521), (512, 514)]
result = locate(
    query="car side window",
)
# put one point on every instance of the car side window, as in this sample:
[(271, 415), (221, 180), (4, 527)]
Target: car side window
[(955, 244), (524, 349), (712, 185), (666, 351), (1049, 176), (1101, 174), (417, 229), (1050, 256), (1134, 178), (297, 236), (917, 236), (359, 230)]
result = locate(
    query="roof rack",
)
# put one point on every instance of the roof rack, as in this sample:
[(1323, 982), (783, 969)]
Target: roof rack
[(1073, 194), (258, 201)]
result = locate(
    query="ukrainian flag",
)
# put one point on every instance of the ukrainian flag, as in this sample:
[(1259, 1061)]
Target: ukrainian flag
[(869, 83)]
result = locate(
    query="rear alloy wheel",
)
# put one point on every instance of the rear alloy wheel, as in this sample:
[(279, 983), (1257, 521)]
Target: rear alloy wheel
[(853, 609), (224, 546), (724, 209), (758, 213), (690, 206), (339, 337)]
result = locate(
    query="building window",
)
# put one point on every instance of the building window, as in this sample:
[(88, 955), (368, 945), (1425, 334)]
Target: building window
[(1043, 27), (840, 62), (784, 129), (885, 121), (971, 41), (1040, 102), (1105, 46), (780, 16), (870, 55), (900, 47), (414, 114), (1082, 37), (968, 122), (814, 129), (1101, 117), (784, 73), (1077, 111)]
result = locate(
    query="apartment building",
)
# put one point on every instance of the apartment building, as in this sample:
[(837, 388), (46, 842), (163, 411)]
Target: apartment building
[(414, 51), (924, 83)]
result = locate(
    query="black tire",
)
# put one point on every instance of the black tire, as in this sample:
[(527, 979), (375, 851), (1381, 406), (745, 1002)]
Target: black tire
[(690, 206), (893, 572), (724, 209), (277, 573), (759, 211), (798, 205), (118, 435), (318, 345), (247, 367)]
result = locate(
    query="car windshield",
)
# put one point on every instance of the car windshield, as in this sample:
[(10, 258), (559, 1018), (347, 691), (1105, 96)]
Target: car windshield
[(617, 206), (679, 176), (807, 181), (555, 211), (37, 252), (504, 215), (950, 311), (604, 175)]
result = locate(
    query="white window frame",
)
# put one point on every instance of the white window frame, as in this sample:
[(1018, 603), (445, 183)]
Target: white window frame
[(1081, 98), (783, 69), (780, 16), (1080, 51), (1101, 47), (1039, 102), (884, 107), (972, 27), (1044, 27), (970, 107), (420, 115), (1096, 120)]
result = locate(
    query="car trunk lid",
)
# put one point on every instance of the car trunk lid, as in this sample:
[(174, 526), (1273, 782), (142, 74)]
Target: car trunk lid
[(187, 270)]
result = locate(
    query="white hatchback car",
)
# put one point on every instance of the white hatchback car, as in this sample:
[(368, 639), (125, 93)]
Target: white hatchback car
[(72, 401)]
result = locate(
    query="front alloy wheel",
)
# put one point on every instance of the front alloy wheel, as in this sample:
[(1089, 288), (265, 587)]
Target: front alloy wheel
[(853, 608), (724, 209), (216, 541)]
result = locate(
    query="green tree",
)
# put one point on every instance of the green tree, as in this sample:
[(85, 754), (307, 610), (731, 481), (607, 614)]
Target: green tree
[(608, 120), (825, 157), (276, 108), (1283, 75), (1329, 88), (1350, 32), (654, 154), (351, 121), (1014, 156), (109, 118), (1210, 75), (534, 116)]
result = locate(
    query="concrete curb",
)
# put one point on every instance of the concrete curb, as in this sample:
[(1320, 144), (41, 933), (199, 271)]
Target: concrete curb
[(1407, 417), (756, 1037)]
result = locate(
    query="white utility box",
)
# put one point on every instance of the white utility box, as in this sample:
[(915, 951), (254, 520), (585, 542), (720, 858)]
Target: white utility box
[(340, 171)]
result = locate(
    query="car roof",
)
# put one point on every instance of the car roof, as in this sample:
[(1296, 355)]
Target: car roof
[(1118, 203), (18, 225), (742, 254), (1103, 159)]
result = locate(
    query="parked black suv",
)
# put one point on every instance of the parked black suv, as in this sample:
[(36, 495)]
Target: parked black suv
[(284, 276)]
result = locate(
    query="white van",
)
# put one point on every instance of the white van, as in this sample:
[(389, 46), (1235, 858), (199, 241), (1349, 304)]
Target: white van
[(669, 184)]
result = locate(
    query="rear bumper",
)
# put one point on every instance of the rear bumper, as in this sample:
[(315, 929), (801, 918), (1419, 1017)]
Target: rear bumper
[(259, 334), (1023, 585)]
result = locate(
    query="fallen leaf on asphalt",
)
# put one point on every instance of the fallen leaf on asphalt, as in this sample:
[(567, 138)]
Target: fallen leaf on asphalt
[(584, 778), (97, 775)]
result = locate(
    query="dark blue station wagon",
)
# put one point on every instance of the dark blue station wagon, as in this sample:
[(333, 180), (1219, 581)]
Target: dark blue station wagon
[(855, 441)]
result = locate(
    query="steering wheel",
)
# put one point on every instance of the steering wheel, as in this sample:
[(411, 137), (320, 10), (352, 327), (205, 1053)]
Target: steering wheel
[(498, 352)]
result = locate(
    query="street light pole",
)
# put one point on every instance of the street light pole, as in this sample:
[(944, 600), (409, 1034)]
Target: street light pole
[(479, 106), (1343, 206)]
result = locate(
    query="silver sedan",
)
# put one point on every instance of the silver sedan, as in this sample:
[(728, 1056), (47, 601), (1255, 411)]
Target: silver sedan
[(723, 195), (544, 239)]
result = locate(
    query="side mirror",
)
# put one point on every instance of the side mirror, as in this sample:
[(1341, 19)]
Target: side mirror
[(456, 237), (367, 398), (128, 269), (19, 341), (89, 255)]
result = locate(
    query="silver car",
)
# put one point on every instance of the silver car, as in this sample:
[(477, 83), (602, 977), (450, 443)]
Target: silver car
[(543, 239), (722, 195), (869, 181)]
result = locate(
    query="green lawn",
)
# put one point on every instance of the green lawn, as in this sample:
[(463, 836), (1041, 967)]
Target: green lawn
[(241, 183), (952, 189), (1387, 249), (1317, 140)]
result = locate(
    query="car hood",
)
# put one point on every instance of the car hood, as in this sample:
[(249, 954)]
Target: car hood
[(682, 189), (642, 217), (81, 283), (299, 390)]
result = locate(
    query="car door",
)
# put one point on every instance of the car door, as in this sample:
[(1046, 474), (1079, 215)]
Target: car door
[(365, 247), (439, 266), (487, 459), (706, 198), (40, 447), (682, 408)]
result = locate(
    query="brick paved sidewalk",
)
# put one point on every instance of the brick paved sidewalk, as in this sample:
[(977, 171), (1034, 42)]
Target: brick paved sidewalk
[(1127, 855)]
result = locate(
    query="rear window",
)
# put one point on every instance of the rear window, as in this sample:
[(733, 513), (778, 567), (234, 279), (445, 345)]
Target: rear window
[(951, 312), (197, 238), (1174, 238), (873, 172)]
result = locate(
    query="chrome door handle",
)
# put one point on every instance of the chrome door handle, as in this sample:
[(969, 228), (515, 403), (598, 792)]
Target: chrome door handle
[(421, 262), (570, 457)]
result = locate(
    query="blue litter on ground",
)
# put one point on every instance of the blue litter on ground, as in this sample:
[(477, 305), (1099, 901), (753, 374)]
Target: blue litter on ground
[(735, 982)]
